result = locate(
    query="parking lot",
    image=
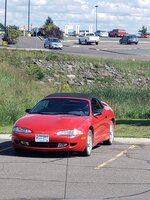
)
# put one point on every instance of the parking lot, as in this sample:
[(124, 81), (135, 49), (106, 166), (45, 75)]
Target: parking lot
[(107, 48), (120, 171)]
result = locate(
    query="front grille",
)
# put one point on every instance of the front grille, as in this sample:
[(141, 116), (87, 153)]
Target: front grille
[(42, 144)]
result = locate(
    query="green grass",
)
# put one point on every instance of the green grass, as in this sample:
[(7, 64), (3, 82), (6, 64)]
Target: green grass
[(6, 129), (133, 128)]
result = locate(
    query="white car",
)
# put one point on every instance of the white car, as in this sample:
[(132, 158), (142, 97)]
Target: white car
[(88, 38), (53, 43)]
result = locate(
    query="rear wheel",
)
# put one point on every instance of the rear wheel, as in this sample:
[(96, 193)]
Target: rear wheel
[(111, 135), (80, 41), (89, 144), (96, 43)]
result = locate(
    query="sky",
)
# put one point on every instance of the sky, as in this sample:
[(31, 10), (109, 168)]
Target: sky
[(130, 15)]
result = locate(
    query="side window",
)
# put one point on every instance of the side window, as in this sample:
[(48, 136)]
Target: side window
[(97, 107)]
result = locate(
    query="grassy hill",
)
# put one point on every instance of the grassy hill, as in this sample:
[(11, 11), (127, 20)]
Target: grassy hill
[(27, 76)]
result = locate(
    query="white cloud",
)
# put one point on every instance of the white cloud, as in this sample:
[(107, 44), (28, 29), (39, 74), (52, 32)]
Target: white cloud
[(131, 15)]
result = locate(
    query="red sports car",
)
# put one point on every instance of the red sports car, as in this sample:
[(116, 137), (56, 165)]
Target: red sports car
[(65, 121)]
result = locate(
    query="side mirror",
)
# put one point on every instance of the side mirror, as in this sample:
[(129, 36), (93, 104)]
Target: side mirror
[(98, 113), (27, 110)]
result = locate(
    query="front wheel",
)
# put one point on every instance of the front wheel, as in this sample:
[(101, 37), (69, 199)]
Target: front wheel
[(89, 144), (111, 135), (96, 43)]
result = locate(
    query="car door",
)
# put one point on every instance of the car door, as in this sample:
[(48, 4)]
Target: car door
[(99, 120)]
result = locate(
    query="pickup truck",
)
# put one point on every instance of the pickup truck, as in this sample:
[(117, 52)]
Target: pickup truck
[(88, 38)]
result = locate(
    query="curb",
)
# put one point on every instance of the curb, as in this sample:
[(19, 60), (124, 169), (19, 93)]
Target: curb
[(117, 139), (5, 136), (132, 140)]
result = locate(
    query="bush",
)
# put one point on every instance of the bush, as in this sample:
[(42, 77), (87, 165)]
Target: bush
[(35, 71), (12, 34)]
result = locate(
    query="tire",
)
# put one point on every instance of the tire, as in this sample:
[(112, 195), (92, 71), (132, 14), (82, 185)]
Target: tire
[(80, 41), (111, 135), (96, 43), (89, 144), (86, 42)]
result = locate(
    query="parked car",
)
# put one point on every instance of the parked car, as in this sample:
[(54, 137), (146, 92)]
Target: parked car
[(53, 43), (129, 39), (117, 33), (102, 33), (65, 121), (88, 38), (146, 35)]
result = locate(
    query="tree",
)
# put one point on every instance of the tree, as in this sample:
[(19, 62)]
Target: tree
[(51, 29), (143, 31), (2, 27), (12, 34)]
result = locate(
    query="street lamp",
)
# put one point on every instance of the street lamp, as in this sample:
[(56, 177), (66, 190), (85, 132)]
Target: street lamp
[(96, 16), (28, 16), (5, 21)]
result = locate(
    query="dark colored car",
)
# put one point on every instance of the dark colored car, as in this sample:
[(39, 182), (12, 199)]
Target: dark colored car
[(129, 39), (117, 33), (65, 121)]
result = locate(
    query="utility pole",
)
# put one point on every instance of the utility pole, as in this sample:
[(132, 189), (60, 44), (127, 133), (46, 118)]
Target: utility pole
[(96, 16), (28, 16), (5, 21)]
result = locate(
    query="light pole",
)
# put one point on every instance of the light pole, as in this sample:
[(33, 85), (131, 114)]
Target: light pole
[(96, 16), (28, 16), (5, 21)]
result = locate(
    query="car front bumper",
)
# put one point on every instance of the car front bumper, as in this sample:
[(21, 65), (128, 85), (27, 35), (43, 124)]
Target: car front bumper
[(56, 143)]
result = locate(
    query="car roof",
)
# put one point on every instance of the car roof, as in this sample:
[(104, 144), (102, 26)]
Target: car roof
[(76, 95)]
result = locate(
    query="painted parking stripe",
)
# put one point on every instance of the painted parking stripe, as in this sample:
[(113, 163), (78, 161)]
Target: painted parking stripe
[(115, 157), (5, 149)]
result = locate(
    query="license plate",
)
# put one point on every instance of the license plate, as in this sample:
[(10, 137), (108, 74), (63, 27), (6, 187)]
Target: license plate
[(41, 138)]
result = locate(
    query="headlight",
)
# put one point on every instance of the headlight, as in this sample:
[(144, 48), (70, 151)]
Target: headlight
[(72, 132), (21, 130)]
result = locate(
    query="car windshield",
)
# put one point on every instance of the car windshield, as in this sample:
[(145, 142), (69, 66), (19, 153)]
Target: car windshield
[(67, 106), (55, 40)]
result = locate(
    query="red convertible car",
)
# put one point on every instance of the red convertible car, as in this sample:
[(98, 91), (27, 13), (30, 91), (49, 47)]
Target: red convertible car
[(65, 122)]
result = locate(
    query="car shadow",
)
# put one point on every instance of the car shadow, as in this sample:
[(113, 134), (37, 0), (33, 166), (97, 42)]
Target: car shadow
[(6, 149)]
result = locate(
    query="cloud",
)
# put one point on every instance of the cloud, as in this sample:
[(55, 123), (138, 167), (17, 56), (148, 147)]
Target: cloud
[(127, 14)]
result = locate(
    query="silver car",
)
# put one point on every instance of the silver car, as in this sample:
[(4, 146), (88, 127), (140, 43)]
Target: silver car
[(53, 43)]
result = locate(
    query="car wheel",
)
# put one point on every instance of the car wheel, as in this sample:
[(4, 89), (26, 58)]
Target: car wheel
[(111, 135), (96, 43), (80, 42), (44, 46), (89, 144), (86, 42)]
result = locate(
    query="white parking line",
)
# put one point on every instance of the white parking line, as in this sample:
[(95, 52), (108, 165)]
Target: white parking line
[(115, 157)]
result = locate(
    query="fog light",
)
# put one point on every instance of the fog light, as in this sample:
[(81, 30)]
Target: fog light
[(62, 145), (24, 143)]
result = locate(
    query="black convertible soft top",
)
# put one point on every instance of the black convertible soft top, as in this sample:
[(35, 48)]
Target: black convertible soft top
[(77, 95)]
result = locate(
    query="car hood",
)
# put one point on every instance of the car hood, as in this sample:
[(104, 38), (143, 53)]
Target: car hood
[(56, 43), (40, 122)]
